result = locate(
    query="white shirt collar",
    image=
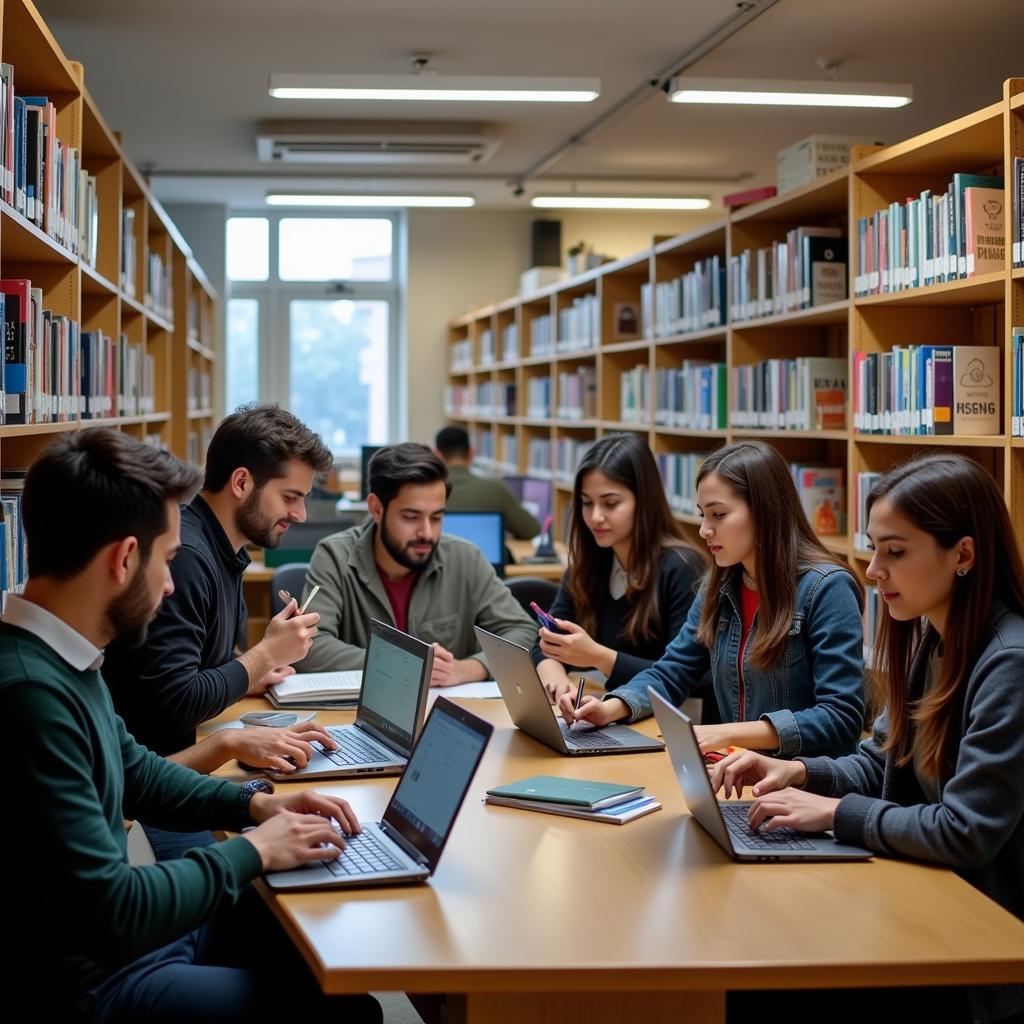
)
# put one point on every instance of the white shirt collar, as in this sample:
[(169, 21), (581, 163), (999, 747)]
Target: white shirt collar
[(68, 643), (618, 581)]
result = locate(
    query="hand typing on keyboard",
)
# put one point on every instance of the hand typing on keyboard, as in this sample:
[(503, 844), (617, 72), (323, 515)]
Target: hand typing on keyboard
[(793, 808)]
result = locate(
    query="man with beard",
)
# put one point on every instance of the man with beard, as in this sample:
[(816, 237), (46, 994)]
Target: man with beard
[(85, 933), (259, 470), (400, 568)]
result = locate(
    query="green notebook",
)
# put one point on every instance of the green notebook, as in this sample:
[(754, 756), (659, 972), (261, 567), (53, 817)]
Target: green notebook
[(576, 792)]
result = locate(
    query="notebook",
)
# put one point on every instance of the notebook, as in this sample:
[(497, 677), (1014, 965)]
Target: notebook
[(323, 689), (406, 845)]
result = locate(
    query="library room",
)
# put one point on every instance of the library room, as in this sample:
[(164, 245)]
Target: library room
[(405, 408)]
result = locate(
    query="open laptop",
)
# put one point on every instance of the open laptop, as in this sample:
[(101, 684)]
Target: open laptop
[(396, 678), (407, 844), (528, 704), (726, 821)]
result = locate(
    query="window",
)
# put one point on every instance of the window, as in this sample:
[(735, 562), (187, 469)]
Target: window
[(318, 331)]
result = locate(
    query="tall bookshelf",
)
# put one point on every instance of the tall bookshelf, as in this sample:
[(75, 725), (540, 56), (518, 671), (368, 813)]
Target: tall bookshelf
[(974, 311), (129, 300)]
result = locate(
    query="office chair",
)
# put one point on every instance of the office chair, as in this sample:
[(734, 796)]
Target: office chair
[(290, 577), (532, 588)]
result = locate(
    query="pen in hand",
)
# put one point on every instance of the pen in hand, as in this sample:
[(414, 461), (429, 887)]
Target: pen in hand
[(579, 697), (286, 597)]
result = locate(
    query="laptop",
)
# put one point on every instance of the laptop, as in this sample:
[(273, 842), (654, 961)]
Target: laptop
[(396, 678), (528, 704), (726, 821), (407, 844)]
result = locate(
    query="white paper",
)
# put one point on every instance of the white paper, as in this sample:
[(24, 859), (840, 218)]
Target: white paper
[(485, 688)]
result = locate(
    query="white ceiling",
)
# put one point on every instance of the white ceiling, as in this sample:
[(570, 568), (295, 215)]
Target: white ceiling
[(186, 82)]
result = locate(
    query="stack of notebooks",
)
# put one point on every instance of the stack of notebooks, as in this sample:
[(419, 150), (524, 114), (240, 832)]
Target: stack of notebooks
[(321, 690), (575, 798)]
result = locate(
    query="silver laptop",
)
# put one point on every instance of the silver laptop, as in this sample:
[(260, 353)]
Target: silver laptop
[(396, 678), (726, 821), (528, 704), (407, 844)]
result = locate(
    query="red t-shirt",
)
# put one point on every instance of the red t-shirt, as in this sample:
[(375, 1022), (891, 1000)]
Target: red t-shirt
[(400, 594), (750, 600)]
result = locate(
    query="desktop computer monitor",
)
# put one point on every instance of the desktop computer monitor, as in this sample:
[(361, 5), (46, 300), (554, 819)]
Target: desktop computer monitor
[(533, 493), (484, 529), (366, 453)]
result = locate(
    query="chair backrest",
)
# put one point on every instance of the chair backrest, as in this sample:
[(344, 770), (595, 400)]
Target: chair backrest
[(532, 588), (290, 577)]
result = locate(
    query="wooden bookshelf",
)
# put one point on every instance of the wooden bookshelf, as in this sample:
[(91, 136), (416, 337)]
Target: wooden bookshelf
[(97, 296), (980, 310)]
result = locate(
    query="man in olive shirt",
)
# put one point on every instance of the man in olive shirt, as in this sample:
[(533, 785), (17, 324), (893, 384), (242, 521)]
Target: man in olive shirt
[(85, 933), (472, 493)]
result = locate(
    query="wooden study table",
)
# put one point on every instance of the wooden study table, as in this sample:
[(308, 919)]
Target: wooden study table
[(532, 917)]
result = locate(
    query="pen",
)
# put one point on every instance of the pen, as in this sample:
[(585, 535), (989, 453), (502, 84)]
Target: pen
[(579, 697), (286, 597)]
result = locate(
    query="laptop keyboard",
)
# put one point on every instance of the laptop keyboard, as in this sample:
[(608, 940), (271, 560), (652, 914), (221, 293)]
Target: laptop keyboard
[(782, 839), (591, 739), (352, 749), (364, 854)]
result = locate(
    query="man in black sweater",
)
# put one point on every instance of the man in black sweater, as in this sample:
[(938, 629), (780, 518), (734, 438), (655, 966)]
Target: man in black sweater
[(259, 470)]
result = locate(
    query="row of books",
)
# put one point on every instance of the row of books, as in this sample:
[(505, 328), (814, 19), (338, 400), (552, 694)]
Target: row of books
[(579, 325), (542, 335), (118, 378), (863, 483), (540, 458), (933, 238), (499, 453), (568, 453), (1017, 233), (1017, 410), (159, 290), (692, 302), (692, 397), (538, 398), (13, 563), (199, 395), (460, 355), (790, 394), (808, 269), (634, 394), (577, 394), (928, 390), (42, 176), (197, 443), (679, 478)]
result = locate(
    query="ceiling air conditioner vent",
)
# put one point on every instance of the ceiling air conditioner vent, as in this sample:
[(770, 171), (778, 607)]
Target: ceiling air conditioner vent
[(392, 144)]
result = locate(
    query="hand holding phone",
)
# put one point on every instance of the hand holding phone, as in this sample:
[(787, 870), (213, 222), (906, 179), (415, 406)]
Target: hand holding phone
[(545, 619)]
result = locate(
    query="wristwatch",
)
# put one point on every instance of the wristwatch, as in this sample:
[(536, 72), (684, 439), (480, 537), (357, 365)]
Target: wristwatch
[(248, 790)]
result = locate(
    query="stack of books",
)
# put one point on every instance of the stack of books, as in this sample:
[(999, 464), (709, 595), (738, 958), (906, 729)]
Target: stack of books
[(317, 690), (575, 798)]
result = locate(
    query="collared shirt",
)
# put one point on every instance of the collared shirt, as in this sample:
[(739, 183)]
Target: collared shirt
[(68, 643)]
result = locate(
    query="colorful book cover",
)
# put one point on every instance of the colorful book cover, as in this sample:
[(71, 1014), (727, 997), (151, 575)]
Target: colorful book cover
[(976, 410)]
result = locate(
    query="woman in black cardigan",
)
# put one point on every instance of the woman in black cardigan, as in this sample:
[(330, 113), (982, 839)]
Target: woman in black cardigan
[(632, 574)]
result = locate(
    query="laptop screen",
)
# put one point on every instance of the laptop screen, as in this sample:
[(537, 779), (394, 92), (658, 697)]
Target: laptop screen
[(484, 529), (437, 777), (393, 685)]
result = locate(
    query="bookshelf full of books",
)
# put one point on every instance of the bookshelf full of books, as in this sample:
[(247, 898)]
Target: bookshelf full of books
[(87, 292), (869, 315)]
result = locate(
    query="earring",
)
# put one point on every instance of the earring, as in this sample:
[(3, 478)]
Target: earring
[(961, 573)]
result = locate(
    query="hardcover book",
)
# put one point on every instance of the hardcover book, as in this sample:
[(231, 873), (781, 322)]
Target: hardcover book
[(976, 408)]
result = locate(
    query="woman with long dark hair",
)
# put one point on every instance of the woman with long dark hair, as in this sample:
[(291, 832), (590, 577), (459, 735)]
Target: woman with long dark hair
[(942, 777), (632, 574), (777, 621)]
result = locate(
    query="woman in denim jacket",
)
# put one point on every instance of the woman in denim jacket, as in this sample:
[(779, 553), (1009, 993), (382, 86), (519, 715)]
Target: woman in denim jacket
[(777, 621), (940, 778)]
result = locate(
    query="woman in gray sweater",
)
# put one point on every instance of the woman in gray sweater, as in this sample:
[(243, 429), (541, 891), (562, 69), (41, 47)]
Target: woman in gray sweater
[(940, 778)]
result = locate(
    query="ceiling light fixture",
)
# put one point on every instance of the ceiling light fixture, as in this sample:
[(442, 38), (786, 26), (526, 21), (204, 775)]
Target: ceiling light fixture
[(427, 85), (294, 199), (621, 202), (790, 94)]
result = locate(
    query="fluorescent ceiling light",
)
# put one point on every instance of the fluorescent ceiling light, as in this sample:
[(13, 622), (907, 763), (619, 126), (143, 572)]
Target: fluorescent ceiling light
[(620, 203), (790, 94), (283, 199), (431, 86)]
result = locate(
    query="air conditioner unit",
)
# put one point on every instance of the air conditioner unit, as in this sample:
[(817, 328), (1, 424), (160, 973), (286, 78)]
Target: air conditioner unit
[(374, 143)]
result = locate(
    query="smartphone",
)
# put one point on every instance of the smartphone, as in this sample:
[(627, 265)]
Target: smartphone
[(544, 619)]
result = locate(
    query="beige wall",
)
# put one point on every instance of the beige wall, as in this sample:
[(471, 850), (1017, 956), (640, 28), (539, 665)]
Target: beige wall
[(458, 260)]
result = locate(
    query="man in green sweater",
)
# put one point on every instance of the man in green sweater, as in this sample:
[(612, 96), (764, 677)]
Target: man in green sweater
[(472, 493), (85, 933)]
